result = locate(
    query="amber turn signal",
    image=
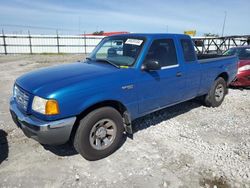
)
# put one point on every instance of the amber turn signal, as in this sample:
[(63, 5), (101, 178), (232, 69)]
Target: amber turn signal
[(52, 107)]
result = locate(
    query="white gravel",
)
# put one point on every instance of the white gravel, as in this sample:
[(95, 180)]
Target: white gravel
[(187, 145)]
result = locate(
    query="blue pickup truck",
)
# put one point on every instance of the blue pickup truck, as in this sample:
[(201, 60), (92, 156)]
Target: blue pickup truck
[(93, 102)]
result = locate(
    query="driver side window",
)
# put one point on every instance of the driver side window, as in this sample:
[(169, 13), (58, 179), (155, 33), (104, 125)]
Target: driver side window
[(163, 51)]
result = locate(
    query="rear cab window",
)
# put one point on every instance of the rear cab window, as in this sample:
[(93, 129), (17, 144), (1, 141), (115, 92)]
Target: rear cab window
[(163, 51), (188, 50)]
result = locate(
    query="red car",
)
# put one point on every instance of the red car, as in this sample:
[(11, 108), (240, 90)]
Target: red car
[(243, 76)]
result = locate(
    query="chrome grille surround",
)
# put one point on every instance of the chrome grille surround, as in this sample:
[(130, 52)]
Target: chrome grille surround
[(21, 97)]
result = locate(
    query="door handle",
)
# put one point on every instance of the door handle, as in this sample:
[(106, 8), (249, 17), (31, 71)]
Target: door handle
[(178, 74)]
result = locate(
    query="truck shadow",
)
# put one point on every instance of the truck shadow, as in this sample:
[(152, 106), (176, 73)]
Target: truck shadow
[(62, 150), (68, 148), (4, 147), (164, 114), (239, 88)]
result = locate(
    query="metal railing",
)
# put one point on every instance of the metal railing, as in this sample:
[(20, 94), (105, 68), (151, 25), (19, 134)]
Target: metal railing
[(37, 44), (205, 45), (33, 44)]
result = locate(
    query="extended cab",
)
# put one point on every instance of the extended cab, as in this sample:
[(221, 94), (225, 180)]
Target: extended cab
[(126, 76)]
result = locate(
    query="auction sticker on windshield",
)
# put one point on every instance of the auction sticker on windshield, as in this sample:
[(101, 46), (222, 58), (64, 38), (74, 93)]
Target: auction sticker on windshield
[(137, 42)]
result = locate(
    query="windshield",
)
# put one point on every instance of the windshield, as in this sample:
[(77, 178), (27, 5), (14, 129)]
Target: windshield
[(120, 51), (242, 53)]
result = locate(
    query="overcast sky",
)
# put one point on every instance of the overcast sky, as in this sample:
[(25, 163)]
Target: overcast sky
[(173, 16)]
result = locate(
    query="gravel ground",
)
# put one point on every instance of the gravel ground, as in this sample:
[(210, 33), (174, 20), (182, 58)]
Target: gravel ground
[(186, 145)]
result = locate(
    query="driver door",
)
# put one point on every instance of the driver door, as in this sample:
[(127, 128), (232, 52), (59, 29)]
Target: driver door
[(163, 87)]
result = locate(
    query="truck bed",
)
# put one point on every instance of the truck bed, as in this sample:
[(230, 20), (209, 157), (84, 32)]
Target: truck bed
[(208, 56)]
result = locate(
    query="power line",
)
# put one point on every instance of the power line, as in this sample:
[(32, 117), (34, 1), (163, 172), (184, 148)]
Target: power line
[(36, 27)]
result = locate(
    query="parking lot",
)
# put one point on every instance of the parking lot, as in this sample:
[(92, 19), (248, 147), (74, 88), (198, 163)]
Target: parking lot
[(187, 145)]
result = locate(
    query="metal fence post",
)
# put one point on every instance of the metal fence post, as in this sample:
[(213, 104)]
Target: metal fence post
[(30, 43), (85, 44), (57, 38), (4, 43)]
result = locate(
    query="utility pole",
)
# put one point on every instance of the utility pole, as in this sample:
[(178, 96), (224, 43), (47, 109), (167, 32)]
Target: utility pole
[(79, 25), (224, 22)]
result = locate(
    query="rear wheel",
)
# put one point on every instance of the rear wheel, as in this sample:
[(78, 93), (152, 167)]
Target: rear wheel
[(99, 133), (216, 94)]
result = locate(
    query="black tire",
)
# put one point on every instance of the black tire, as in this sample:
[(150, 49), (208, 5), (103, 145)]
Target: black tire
[(84, 133), (212, 99)]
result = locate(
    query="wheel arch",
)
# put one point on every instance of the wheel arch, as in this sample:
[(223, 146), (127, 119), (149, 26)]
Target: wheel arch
[(223, 75), (120, 107)]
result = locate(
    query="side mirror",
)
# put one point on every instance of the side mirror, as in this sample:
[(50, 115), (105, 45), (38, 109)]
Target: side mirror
[(151, 65)]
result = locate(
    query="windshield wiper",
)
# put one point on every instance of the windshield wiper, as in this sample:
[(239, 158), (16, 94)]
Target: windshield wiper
[(103, 60), (89, 58), (106, 61)]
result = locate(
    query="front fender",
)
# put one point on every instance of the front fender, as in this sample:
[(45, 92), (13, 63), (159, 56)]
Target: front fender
[(77, 102), (126, 98)]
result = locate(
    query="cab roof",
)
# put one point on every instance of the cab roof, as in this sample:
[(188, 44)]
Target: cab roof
[(151, 35)]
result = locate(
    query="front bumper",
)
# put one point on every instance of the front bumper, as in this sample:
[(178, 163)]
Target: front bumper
[(45, 132), (242, 79)]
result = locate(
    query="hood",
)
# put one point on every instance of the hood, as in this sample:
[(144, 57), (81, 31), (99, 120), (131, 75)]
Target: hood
[(47, 80), (243, 63)]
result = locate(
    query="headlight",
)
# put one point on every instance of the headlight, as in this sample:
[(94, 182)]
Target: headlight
[(244, 68), (14, 91), (45, 106)]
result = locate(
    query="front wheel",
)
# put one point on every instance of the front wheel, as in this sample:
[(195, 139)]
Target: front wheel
[(99, 133), (216, 94)]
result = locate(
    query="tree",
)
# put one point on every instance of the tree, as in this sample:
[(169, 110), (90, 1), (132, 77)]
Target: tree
[(98, 33), (210, 35)]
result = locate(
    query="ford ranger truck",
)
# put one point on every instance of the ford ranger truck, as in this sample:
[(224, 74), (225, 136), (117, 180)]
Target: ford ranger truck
[(93, 102)]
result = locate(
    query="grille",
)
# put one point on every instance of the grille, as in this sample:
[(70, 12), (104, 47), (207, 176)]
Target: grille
[(22, 98)]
